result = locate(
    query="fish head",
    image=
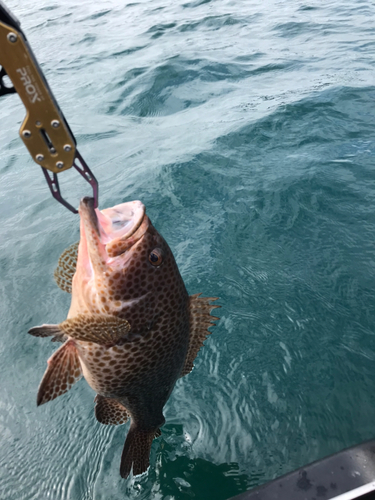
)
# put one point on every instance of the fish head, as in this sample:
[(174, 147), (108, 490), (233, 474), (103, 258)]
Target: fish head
[(124, 266)]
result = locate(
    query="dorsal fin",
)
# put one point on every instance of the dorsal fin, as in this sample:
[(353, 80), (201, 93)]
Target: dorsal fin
[(66, 267), (200, 320)]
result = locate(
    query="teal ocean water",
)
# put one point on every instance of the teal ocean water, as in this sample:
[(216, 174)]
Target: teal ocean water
[(248, 131)]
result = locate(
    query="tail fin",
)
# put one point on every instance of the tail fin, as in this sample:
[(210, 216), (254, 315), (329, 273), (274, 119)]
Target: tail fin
[(136, 452)]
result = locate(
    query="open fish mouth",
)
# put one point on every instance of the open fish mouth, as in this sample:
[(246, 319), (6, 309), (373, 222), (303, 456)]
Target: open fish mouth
[(112, 231), (121, 221)]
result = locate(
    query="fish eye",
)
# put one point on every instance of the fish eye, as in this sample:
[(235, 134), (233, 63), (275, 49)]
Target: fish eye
[(156, 257)]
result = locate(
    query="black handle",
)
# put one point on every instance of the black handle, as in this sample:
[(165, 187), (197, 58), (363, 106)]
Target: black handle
[(8, 18)]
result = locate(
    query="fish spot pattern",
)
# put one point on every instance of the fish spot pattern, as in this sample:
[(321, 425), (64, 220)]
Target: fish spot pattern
[(133, 329), (62, 372), (109, 411), (96, 328), (66, 268)]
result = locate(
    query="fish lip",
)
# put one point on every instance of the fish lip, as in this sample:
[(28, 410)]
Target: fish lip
[(87, 206), (137, 214), (110, 232)]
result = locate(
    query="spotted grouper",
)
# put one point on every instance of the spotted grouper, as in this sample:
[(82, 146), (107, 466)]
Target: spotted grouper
[(132, 329)]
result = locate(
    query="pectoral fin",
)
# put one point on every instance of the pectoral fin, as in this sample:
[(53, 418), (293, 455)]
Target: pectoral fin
[(108, 411), (48, 331), (66, 268), (64, 369), (103, 330), (96, 328), (200, 320)]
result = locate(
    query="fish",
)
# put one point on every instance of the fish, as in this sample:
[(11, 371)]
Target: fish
[(131, 331)]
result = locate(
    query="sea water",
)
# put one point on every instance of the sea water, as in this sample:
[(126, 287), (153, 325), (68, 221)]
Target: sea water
[(247, 129)]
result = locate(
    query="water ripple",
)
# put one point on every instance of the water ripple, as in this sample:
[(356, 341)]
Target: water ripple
[(248, 133)]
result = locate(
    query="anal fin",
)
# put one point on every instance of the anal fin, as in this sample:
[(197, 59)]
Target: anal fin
[(200, 321), (64, 369), (66, 268), (109, 411)]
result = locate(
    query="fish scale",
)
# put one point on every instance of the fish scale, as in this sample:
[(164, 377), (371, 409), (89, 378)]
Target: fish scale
[(132, 330)]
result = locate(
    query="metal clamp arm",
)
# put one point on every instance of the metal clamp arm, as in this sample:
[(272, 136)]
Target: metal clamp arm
[(44, 131)]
